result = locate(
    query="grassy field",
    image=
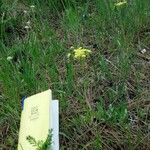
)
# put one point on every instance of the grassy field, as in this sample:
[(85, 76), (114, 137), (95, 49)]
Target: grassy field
[(105, 97)]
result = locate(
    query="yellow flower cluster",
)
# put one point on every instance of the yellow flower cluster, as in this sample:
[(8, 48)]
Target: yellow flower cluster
[(120, 3), (80, 53)]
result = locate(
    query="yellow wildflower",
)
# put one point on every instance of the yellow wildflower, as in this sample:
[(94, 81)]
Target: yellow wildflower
[(80, 53), (120, 3)]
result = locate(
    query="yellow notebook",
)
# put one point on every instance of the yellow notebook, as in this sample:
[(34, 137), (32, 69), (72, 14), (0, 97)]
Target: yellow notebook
[(35, 119)]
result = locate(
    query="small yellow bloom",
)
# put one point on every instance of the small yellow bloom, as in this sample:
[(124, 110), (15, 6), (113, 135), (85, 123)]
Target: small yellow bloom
[(120, 3), (80, 53)]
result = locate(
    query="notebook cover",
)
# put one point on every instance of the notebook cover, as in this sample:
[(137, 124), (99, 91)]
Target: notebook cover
[(35, 119)]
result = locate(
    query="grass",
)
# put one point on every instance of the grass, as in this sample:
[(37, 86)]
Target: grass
[(104, 99)]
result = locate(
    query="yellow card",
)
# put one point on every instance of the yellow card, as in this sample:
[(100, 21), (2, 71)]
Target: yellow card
[(35, 119)]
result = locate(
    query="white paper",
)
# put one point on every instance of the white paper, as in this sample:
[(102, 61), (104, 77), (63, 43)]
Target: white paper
[(55, 125)]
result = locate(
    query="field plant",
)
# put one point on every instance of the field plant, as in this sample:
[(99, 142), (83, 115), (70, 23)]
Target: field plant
[(41, 145), (103, 91)]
